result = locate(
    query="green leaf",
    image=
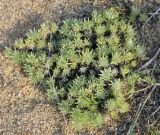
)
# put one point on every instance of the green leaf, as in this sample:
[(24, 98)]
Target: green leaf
[(65, 106), (17, 56), (86, 119), (97, 17), (128, 56), (19, 44), (111, 105), (106, 74), (62, 62), (36, 75), (101, 40), (140, 52), (123, 106), (100, 30), (87, 57), (125, 70), (117, 88), (117, 58), (103, 61), (87, 24), (111, 14)]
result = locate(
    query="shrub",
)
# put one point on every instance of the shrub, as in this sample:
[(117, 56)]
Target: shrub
[(87, 66)]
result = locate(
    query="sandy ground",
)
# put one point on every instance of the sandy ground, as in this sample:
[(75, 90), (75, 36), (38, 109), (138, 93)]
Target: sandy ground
[(24, 109)]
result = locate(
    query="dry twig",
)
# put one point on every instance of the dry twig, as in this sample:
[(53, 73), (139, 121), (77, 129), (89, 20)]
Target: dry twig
[(155, 13), (140, 108), (150, 61)]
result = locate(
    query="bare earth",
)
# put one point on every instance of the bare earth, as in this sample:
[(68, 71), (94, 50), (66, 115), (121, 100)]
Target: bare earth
[(24, 110)]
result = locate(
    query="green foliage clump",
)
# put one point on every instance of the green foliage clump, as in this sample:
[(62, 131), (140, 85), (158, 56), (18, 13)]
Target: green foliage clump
[(87, 66), (137, 14)]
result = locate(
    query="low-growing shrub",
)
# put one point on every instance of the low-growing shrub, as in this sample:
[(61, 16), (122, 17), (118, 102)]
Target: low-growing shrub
[(87, 66)]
